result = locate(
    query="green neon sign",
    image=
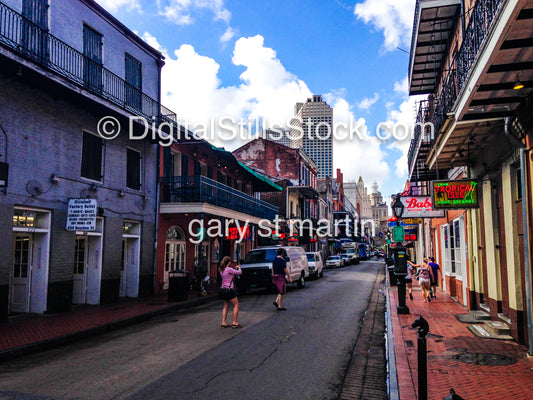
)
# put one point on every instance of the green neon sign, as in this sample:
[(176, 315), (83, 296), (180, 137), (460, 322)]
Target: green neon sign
[(458, 194)]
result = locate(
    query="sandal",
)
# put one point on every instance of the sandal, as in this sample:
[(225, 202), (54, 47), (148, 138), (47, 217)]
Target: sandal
[(282, 309), (275, 304), (224, 326), (236, 326)]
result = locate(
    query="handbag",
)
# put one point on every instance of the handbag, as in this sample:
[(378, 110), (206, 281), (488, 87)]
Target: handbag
[(417, 274), (226, 293)]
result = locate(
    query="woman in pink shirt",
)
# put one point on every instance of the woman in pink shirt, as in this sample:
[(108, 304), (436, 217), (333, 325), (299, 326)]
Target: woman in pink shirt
[(227, 292)]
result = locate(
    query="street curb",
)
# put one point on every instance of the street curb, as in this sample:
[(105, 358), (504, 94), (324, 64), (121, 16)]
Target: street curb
[(392, 373), (100, 329)]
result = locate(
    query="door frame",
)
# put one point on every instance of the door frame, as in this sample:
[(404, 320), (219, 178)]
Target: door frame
[(38, 273)]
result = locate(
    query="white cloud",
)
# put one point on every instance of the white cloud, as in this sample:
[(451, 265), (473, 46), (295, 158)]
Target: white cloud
[(152, 41), (228, 35), (405, 115), (393, 17), (180, 11), (402, 87), (114, 5), (357, 155), (365, 104), (267, 93)]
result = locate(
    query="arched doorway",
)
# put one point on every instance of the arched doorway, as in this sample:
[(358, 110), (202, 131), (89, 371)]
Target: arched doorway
[(174, 252)]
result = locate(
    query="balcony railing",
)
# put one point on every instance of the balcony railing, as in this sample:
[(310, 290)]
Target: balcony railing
[(478, 26), (199, 189), (424, 117), (34, 43)]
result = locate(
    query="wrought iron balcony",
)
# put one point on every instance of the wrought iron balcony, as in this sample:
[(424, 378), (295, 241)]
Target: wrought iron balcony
[(200, 189), (481, 19), (32, 42)]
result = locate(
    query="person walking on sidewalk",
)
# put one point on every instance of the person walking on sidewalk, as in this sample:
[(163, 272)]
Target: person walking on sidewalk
[(424, 279), (227, 292), (435, 268), (279, 271)]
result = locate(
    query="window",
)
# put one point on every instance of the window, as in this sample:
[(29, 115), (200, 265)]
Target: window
[(93, 60), (133, 178), (133, 83), (91, 157)]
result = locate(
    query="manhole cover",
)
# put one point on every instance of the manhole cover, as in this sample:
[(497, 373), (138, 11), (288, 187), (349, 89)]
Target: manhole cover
[(485, 359)]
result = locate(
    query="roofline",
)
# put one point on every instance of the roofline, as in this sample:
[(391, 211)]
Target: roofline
[(123, 28)]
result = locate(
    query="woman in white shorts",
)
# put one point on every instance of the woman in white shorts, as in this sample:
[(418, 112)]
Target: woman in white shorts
[(425, 278)]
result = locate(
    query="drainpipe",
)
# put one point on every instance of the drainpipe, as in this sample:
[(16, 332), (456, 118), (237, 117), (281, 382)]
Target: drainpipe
[(525, 221)]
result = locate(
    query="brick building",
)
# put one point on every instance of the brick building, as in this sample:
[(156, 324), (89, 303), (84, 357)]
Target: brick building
[(297, 173), (63, 66)]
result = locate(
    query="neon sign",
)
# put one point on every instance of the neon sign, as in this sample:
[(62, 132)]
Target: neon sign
[(455, 194)]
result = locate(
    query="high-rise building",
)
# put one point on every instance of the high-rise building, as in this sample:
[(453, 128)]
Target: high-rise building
[(312, 130), (281, 136)]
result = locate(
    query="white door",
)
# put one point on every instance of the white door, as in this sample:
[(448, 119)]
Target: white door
[(20, 284), (129, 275), (79, 290), (174, 259)]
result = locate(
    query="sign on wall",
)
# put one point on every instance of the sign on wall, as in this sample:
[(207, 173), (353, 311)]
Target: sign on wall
[(419, 207), (458, 194), (81, 215)]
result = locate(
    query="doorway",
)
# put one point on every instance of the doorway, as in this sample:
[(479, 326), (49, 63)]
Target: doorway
[(87, 272), (174, 252), (130, 265), (30, 262)]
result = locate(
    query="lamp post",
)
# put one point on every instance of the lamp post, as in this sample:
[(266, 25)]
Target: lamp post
[(400, 258)]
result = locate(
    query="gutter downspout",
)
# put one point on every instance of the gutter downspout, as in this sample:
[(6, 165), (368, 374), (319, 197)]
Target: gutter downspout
[(525, 221)]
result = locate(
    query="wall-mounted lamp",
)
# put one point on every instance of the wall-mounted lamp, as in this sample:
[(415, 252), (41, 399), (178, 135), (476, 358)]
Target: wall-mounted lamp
[(93, 188), (121, 193), (54, 179)]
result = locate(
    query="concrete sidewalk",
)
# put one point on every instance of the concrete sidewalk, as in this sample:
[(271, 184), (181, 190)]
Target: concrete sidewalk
[(476, 368), (30, 333)]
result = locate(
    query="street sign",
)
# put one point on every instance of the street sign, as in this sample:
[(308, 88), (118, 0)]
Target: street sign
[(419, 207), (398, 234), (81, 215)]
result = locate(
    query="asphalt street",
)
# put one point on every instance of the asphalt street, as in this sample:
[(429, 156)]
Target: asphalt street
[(302, 353)]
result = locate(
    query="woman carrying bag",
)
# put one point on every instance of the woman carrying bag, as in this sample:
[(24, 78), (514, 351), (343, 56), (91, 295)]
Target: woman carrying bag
[(227, 292), (424, 279)]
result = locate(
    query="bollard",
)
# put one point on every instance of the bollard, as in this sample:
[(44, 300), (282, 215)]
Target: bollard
[(423, 330), (453, 396)]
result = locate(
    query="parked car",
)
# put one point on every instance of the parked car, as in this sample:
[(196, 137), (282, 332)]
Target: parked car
[(257, 267), (334, 262), (316, 264), (346, 259), (354, 257)]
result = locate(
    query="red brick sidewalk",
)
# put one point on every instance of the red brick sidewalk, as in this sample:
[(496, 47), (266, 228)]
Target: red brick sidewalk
[(449, 337)]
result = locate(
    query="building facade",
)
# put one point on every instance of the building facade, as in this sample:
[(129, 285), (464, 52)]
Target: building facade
[(312, 130), (297, 173), (209, 209), (473, 59), (64, 65)]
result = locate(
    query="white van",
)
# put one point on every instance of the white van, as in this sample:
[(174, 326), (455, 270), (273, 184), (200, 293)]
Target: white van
[(257, 267)]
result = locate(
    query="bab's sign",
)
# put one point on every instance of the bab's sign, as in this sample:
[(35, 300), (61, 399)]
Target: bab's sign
[(455, 194), (419, 207)]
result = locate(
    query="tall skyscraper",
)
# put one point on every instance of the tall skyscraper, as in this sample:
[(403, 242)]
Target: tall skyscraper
[(312, 130)]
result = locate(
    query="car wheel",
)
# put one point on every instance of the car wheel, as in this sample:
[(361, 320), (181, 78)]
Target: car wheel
[(301, 281)]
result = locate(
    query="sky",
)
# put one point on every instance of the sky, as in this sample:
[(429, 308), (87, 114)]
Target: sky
[(248, 62)]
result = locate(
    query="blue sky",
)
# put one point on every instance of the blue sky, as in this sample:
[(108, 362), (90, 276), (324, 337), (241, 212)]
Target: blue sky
[(253, 60)]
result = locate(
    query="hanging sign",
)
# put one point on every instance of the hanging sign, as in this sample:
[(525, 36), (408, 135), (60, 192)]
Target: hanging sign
[(458, 194), (419, 207), (81, 215)]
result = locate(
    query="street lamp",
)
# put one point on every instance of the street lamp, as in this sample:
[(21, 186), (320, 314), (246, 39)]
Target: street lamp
[(400, 259)]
